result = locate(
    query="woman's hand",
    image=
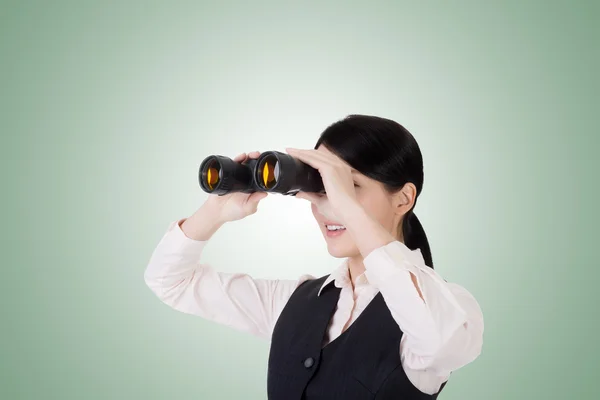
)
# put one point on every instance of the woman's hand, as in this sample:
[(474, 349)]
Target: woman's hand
[(237, 205), (337, 180)]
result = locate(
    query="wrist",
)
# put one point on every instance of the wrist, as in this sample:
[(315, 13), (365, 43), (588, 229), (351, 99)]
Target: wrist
[(210, 211), (203, 223), (367, 232)]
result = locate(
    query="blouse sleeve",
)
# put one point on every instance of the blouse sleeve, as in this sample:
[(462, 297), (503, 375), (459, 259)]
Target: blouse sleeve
[(179, 279), (443, 331)]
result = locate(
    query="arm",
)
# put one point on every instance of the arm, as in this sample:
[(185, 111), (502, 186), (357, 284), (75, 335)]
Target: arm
[(176, 275), (442, 322), (443, 328)]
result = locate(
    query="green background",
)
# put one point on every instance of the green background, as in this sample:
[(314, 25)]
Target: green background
[(108, 108)]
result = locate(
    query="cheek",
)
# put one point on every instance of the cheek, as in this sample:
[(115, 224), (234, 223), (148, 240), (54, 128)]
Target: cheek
[(368, 202), (377, 208)]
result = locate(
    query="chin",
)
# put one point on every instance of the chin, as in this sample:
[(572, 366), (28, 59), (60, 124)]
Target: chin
[(337, 253), (340, 247), (340, 250)]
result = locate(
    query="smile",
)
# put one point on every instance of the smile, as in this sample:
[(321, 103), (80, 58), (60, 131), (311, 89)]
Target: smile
[(334, 230)]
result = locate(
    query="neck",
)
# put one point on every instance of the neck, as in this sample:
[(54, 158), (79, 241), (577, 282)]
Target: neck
[(356, 267)]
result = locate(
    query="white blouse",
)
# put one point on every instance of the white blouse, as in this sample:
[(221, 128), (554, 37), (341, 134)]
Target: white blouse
[(441, 334)]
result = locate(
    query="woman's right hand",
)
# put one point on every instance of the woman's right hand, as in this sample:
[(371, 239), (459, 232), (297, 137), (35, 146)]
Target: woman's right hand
[(237, 205)]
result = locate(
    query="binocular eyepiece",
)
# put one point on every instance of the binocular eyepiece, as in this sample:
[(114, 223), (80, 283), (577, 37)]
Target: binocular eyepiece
[(272, 171)]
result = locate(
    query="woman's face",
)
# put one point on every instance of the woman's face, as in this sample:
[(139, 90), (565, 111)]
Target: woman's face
[(376, 201)]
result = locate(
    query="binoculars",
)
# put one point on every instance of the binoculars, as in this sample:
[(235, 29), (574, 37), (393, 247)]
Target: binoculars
[(272, 171)]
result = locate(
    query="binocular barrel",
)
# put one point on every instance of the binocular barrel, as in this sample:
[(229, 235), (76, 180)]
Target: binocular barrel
[(272, 171)]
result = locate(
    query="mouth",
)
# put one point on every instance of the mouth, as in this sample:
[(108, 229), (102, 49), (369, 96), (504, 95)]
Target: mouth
[(334, 229)]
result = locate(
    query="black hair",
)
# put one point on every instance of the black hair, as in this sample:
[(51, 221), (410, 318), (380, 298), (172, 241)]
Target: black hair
[(385, 151)]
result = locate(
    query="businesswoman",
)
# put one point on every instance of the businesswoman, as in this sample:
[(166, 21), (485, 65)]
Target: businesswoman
[(384, 324)]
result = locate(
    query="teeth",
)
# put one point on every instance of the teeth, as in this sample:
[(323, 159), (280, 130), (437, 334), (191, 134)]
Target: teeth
[(334, 227)]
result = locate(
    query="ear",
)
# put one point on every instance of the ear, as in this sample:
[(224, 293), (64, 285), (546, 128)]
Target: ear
[(404, 199)]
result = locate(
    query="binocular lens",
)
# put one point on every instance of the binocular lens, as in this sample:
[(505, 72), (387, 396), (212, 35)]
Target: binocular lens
[(213, 174), (270, 171)]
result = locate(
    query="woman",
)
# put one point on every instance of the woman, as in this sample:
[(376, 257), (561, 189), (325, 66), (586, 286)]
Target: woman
[(383, 325)]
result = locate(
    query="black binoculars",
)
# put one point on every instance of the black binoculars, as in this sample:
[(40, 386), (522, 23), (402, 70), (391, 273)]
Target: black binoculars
[(272, 171)]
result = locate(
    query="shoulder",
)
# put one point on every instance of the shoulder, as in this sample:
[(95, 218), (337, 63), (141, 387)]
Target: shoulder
[(308, 283)]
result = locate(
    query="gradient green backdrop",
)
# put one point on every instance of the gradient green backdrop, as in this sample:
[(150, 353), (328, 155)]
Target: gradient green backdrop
[(108, 107)]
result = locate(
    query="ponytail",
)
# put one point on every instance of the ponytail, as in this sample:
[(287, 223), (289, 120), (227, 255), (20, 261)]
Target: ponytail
[(415, 238)]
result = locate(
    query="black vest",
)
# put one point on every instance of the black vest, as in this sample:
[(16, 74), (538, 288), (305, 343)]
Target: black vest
[(362, 363)]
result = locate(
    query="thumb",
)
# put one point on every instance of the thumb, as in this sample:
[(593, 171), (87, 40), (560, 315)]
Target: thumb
[(256, 197), (313, 198)]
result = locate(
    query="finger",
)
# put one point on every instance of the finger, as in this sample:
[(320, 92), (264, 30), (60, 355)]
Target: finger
[(256, 197), (254, 154), (240, 157), (305, 157), (325, 158), (313, 158), (313, 198)]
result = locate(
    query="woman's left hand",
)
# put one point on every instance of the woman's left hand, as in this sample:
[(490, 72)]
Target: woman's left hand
[(337, 180)]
